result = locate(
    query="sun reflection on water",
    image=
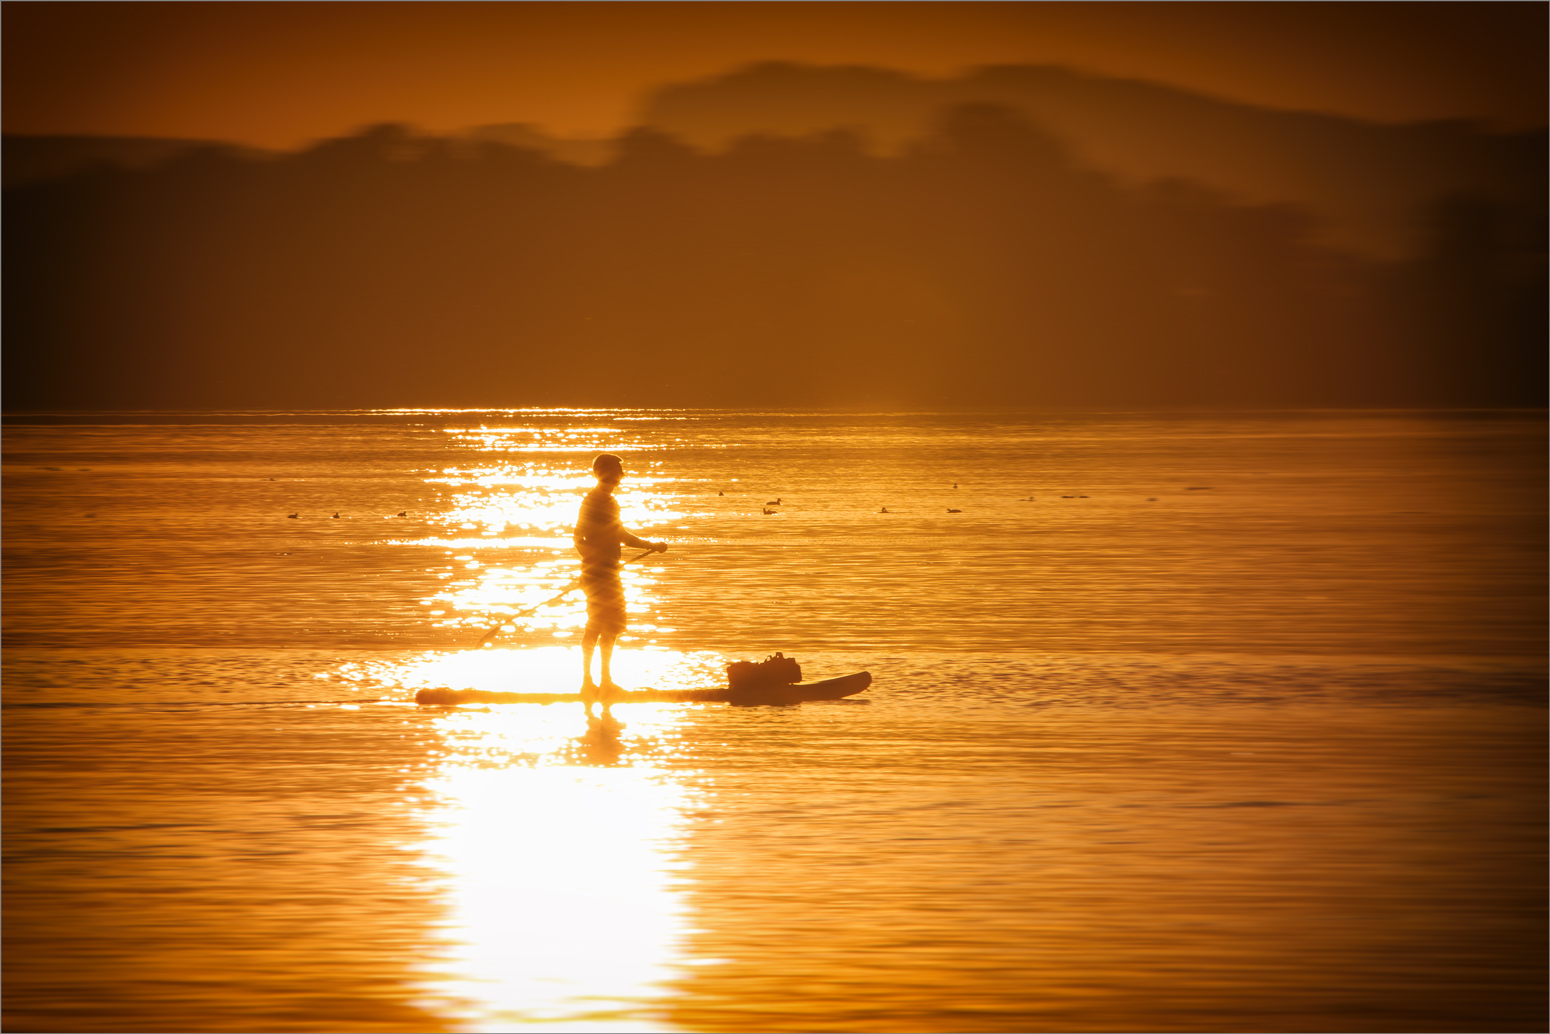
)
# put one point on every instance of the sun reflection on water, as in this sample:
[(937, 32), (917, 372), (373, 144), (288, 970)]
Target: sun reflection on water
[(557, 842), (525, 506), (557, 833), (544, 669), (562, 898)]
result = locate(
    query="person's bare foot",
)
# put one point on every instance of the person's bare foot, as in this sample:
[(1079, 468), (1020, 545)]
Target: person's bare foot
[(610, 691), (590, 693)]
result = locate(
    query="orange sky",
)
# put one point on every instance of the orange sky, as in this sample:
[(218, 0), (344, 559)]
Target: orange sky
[(278, 74)]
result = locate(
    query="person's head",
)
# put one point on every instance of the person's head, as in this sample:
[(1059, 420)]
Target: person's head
[(608, 468)]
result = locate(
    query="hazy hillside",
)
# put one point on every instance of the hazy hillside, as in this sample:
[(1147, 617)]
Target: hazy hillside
[(984, 267), (576, 151), (1366, 184), (28, 159)]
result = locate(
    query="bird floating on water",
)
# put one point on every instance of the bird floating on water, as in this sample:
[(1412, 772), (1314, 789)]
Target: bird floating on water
[(768, 510), (403, 513), (773, 502), (293, 515), (883, 510), (336, 514), (951, 510)]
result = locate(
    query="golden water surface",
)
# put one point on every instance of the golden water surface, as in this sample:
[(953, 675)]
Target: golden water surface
[(1213, 722)]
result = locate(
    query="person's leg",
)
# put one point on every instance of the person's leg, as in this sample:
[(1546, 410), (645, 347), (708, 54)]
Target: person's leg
[(605, 620), (588, 644), (607, 603), (606, 678)]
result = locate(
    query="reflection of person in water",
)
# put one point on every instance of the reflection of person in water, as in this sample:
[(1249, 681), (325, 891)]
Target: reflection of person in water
[(600, 744), (599, 536)]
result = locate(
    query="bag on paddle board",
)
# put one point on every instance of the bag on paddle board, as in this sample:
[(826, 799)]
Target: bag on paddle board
[(778, 670)]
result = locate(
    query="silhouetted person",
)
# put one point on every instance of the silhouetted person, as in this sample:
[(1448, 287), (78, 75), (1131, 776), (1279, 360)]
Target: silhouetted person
[(599, 535)]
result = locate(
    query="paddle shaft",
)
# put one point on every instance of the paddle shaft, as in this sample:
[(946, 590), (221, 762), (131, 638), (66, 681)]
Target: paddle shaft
[(572, 587)]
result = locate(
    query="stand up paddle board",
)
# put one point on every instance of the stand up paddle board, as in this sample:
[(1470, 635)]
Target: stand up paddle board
[(826, 689)]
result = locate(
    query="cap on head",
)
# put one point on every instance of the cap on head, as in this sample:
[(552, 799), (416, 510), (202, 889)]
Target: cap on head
[(607, 462)]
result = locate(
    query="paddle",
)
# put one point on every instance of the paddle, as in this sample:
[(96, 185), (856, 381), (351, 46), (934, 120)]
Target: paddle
[(572, 587)]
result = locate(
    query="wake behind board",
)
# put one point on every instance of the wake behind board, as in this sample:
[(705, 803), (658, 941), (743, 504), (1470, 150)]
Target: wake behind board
[(796, 693)]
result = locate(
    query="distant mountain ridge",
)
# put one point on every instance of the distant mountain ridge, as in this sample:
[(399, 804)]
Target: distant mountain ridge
[(1018, 235), (29, 158), (983, 267), (34, 158), (1365, 183)]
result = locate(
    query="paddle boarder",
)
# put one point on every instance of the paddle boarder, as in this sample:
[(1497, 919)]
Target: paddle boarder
[(599, 537)]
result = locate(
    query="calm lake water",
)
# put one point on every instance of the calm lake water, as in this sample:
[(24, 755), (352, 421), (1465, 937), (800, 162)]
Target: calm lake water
[(1181, 722)]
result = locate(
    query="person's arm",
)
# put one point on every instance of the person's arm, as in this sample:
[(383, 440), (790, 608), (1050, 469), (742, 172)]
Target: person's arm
[(639, 543), (617, 532)]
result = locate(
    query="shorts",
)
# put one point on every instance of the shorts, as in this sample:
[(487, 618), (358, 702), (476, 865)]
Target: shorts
[(605, 599)]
